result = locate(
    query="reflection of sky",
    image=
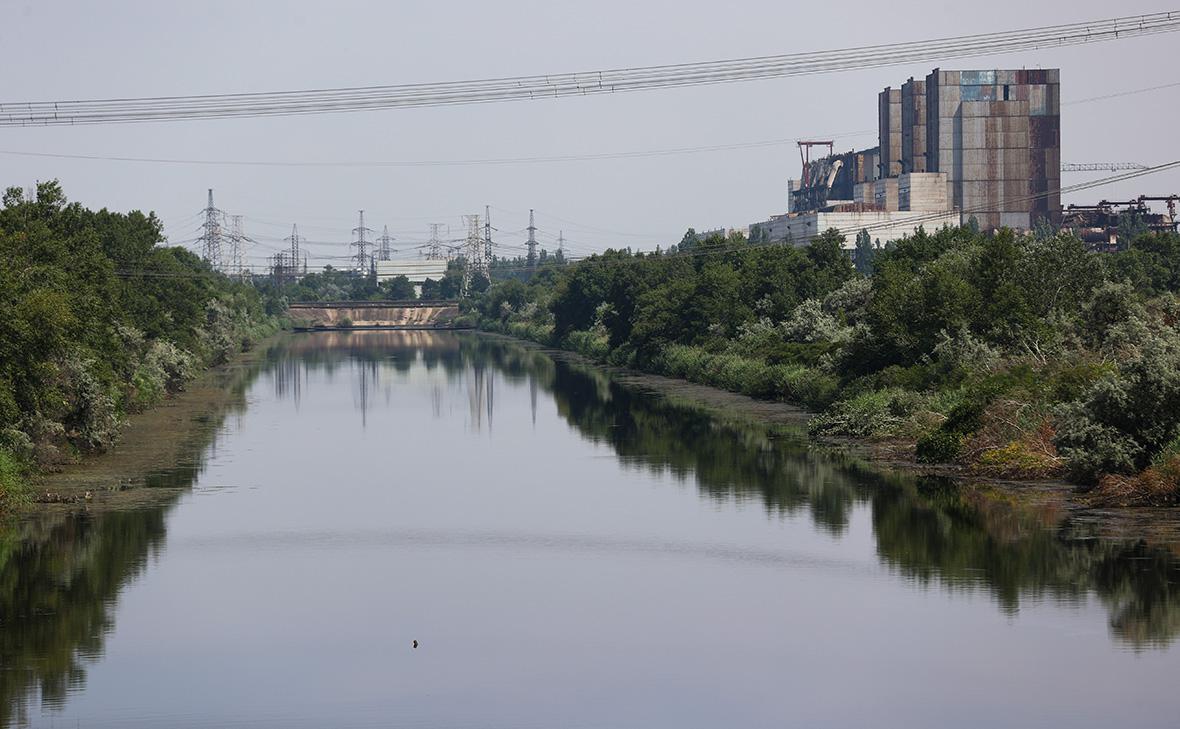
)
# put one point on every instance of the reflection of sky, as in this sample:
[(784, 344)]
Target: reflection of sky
[(552, 585)]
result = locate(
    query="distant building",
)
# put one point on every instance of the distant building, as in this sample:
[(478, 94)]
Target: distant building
[(997, 136), (416, 270), (954, 146), (1100, 226)]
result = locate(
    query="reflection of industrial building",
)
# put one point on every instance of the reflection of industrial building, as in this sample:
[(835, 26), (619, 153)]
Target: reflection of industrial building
[(1099, 225), (954, 146)]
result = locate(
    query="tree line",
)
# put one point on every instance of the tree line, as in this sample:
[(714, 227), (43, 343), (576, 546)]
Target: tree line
[(97, 320), (1005, 354)]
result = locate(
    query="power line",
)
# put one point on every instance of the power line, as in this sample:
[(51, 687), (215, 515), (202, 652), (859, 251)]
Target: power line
[(493, 161), (635, 154), (523, 88), (932, 217), (475, 241)]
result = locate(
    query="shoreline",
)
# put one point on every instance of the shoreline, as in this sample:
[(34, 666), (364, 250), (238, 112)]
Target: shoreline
[(154, 441), (119, 477), (1160, 524)]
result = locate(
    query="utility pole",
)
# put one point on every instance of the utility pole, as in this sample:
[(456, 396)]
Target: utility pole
[(362, 246), (531, 261), (211, 238), (434, 251), (385, 250)]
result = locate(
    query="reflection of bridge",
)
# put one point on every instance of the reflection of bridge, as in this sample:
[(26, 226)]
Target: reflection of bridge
[(343, 315)]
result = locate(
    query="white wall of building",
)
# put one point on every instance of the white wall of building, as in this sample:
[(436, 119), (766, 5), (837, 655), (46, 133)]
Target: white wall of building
[(416, 270)]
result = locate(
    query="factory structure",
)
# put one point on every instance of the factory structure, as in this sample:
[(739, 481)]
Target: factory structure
[(955, 146)]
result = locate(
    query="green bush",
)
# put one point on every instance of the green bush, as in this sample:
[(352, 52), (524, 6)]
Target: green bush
[(13, 483), (939, 446), (869, 414), (1127, 418), (589, 344)]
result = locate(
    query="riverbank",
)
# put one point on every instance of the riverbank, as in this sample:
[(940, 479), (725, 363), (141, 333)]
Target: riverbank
[(102, 321), (1056, 501), (995, 354), (161, 447)]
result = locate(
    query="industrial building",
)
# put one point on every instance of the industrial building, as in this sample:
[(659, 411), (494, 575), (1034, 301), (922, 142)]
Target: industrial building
[(416, 270), (951, 147), (1099, 226)]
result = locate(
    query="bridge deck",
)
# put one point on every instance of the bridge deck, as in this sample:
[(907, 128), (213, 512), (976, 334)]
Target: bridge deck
[(413, 304), (387, 315)]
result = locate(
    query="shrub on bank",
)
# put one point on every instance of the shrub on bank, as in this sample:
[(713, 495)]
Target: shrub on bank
[(1127, 419), (13, 483), (939, 446), (876, 413), (588, 344), (791, 383)]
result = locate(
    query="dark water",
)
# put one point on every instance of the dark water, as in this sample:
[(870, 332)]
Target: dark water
[(569, 553)]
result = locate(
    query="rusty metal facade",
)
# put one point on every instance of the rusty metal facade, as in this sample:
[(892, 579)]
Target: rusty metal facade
[(889, 132), (913, 126), (997, 136)]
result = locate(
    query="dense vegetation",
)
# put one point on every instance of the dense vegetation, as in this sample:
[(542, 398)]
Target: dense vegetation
[(1009, 355), (97, 320)]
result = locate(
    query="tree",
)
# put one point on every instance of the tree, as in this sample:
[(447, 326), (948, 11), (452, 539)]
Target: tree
[(863, 257), (398, 288), (431, 290)]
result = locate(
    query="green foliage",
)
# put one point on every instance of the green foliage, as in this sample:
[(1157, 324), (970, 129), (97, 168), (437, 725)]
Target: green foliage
[(397, 288), (870, 414), (1127, 419), (974, 326), (862, 258), (939, 446), (13, 480), (97, 318)]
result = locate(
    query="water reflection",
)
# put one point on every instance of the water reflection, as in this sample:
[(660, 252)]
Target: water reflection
[(927, 530), (61, 574)]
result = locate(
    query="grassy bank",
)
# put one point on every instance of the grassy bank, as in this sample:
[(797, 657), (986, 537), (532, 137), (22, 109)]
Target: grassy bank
[(99, 320), (1002, 355)]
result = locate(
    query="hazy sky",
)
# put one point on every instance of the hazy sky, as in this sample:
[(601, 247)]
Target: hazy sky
[(69, 50)]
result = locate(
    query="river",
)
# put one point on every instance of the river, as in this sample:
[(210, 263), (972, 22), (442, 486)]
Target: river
[(568, 551)]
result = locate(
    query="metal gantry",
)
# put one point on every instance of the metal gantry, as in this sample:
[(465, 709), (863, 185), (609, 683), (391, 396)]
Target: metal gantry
[(1101, 166)]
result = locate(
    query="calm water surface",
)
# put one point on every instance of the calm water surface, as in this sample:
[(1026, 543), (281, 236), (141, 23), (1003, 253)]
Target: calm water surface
[(569, 553)]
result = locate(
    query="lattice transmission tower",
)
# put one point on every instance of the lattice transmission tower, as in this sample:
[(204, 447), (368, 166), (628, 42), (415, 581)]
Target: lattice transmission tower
[(362, 258), (487, 240), (385, 248), (473, 253), (434, 246), (531, 261), (234, 266), (211, 237)]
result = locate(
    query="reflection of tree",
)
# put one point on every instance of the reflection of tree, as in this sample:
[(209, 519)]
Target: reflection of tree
[(56, 595), (927, 530), (60, 576), (61, 573)]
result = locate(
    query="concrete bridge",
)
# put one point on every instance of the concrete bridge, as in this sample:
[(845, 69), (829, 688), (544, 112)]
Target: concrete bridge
[(342, 315)]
